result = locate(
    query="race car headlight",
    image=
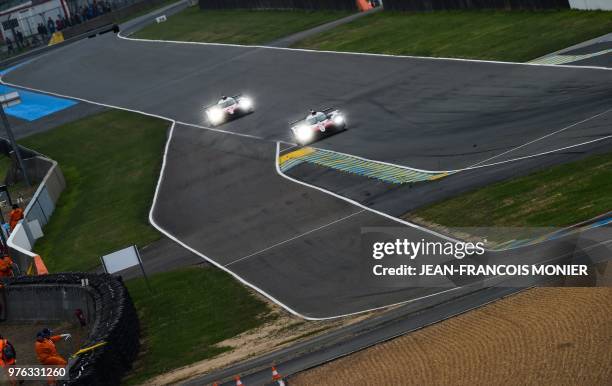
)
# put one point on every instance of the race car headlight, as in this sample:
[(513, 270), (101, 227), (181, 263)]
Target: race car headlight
[(246, 103), (338, 119), (215, 114), (303, 133)]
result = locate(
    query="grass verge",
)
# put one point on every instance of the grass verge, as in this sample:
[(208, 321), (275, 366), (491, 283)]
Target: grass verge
[(111, 161), (145, 10), (190, 311), (559, 196), (235, 26), (494, 35), (5, 165)]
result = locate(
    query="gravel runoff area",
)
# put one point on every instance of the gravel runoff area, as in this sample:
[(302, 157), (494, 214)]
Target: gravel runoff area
[(547, 336)]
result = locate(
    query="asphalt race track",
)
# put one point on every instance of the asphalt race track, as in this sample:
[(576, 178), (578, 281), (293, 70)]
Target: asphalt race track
[(295, 243), (422, 113), (221, 194)]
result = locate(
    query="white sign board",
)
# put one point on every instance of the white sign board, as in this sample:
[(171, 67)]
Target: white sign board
[(121, 259), (10, 99)]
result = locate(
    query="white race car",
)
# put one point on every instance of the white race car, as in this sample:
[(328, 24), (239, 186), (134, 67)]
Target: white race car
[(317, 124), (229, 108)]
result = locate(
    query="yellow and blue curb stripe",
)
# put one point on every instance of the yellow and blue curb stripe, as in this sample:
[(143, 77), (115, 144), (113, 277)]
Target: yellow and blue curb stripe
[(393, 174)]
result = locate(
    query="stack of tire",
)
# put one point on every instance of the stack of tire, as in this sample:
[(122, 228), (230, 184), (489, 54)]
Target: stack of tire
[(115, 323)]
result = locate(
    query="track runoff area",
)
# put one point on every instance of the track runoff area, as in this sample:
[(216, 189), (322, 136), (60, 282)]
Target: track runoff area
[(222, 194)]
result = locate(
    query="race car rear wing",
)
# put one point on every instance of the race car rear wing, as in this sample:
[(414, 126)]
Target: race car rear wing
[(237, 96), (326, 110)]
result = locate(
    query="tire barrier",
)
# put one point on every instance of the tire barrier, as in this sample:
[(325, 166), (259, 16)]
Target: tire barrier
[(113, 342), (310, 5), (438, 5)]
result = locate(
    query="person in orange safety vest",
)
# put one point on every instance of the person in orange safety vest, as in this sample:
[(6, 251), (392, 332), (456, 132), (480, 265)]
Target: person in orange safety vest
[(7, 357), (6, 266), (46, 352), (15, 215)]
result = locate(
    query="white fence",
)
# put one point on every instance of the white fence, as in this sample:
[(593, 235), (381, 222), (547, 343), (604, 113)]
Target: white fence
[(605, 5)]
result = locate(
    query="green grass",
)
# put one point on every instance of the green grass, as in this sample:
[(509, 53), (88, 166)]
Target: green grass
[(5, 165), (190, 311), (111, 163), (560, 196), (235, 26), (507, 36), (145, 10)]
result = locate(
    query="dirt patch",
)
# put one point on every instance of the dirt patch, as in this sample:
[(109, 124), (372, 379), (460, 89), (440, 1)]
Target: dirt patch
[(547, 336), (280, 331)]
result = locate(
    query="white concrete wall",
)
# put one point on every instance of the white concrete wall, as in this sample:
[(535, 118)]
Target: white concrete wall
[(41, 207), (591, 4)]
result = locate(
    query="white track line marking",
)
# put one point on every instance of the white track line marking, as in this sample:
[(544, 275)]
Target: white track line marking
[(234, 133), (121, 36), (534, 155), (478, 165), (295, 238), (473, 167), (545, 136), (220, 130), (403, 222)]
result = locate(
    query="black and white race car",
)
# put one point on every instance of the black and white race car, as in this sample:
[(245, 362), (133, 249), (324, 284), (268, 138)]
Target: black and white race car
[(318, 124), (229, 108)]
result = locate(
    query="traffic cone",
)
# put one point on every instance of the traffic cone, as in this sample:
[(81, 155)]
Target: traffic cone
[(238, 381), (275, 375)]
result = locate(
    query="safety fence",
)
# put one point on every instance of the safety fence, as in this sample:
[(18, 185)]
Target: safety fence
[(113, 328), (280, 4), (122, 11), (437, 5), (34, 40), (604, 5), (51, 183)]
